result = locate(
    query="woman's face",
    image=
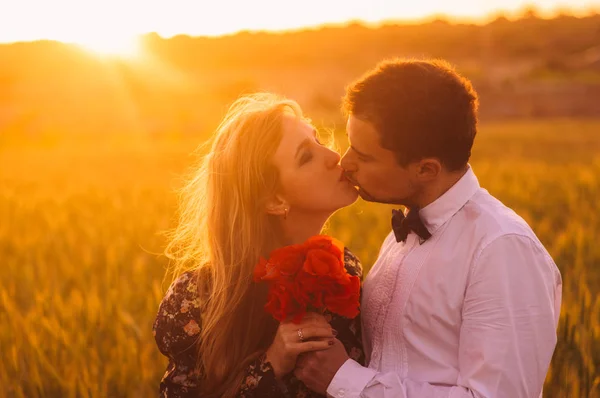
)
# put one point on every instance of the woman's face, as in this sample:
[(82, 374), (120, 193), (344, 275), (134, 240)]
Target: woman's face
[(311, 179)]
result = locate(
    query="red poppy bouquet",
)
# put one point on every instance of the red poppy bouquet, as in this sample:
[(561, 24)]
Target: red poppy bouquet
[(309, 277)]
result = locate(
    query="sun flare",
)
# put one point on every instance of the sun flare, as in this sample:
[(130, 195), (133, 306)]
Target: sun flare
[(114, 46)]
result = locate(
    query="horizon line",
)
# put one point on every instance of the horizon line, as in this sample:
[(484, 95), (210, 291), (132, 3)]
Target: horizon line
[(512, 16)]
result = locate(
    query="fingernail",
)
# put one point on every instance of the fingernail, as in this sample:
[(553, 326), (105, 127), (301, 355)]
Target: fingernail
[(334, 332), (330, 342)]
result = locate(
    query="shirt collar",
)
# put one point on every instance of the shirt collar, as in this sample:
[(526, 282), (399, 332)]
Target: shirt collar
[(443, 208)]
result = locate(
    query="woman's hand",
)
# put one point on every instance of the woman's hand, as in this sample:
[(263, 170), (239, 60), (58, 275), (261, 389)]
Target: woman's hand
[(312, 334)]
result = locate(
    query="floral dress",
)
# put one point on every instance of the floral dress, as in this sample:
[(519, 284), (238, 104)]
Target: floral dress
[(176, 330)]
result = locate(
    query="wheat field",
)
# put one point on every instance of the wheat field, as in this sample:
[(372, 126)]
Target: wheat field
[(81, 273)]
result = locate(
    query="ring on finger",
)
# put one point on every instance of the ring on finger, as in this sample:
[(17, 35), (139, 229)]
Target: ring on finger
[(300, 334)]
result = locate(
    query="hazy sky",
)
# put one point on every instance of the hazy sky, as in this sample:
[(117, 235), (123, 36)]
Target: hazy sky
[(81, 20)]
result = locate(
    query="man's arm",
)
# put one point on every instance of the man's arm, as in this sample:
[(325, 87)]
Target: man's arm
[(507, 337)]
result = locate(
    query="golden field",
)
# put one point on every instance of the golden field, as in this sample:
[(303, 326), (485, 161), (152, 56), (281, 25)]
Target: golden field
[(82, 275)]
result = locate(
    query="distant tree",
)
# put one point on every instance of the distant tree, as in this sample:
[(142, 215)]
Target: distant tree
[(592, 11), (498, 18), (530, 11), (563, 12), (439, 19)]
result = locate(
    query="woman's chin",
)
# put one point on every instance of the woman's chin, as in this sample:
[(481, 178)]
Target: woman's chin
[(350, 196), (344, 197)]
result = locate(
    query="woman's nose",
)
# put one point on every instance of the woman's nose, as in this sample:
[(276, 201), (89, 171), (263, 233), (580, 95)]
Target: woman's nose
[(333, 158)]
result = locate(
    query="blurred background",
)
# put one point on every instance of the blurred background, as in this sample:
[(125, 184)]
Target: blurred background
[(103, 103)]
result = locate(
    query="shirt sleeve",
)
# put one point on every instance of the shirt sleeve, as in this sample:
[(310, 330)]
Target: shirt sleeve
[(508, 334), (260, 381)]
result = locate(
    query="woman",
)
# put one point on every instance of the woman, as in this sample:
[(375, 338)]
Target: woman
[(267, 182)]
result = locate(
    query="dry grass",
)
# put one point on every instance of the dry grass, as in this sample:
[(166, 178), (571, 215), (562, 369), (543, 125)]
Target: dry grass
[(80, 282)]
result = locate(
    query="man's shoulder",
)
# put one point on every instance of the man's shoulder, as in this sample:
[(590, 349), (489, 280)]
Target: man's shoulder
[(491, 219), (494, 223)]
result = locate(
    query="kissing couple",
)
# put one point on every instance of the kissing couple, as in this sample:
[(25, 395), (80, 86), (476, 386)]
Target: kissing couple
[(462, 301)]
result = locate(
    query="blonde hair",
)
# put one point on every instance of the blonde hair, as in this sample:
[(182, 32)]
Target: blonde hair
[(223, 230)]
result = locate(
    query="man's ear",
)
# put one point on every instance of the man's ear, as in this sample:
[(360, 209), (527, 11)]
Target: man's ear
[(429, 169), (277, 205)]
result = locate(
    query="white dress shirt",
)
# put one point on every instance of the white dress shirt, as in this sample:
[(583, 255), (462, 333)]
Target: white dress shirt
[(471, 312)]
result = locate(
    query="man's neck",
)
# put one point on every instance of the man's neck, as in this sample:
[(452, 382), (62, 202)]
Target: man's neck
[(431, 193)]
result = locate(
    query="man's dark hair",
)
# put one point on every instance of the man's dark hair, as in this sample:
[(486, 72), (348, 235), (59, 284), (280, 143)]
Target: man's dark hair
[(420, 109)]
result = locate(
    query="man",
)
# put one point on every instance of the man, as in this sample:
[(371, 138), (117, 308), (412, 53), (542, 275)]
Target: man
[(463, 300)]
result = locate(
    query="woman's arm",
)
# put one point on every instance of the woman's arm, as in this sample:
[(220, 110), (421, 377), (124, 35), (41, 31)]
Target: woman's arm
[(176, 331)]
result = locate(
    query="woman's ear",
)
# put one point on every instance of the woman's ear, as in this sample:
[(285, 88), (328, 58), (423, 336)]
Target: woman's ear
[(277, 206)]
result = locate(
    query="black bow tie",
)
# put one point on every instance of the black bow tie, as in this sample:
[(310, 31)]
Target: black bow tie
[(402, 225)]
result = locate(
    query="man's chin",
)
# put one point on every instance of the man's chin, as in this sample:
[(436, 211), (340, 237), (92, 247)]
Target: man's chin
[(367, 197)]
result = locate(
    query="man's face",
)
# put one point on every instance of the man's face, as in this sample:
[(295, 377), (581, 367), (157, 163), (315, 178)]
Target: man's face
[(373, 169)]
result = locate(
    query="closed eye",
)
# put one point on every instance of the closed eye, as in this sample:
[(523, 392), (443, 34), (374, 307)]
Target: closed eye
[(361, 156), (306, 157)]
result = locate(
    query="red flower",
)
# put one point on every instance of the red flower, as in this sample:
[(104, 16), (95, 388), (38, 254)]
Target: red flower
[(311, 276), (328, 243), (343, 299), (264, 271), (277, 302), (289, 259), (320, 262)]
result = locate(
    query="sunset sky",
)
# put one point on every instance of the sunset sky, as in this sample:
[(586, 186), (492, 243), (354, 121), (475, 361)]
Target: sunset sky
[(115, 20)]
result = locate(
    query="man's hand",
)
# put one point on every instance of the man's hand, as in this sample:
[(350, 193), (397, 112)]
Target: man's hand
[(317, 369)]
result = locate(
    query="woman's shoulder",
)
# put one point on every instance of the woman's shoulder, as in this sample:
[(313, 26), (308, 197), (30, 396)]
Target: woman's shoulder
[(182, 296), (353, 264), (177, 323)]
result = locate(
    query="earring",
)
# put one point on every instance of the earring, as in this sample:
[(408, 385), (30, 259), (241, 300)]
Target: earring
[(285, 214)]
